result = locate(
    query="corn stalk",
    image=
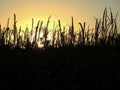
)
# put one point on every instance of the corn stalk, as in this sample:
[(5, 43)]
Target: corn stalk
[(15, 29)]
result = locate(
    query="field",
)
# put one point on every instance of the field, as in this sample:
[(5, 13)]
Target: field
[(86, 59)]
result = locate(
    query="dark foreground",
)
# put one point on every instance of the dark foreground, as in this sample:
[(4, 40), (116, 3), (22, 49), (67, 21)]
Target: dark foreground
[(60, 69)]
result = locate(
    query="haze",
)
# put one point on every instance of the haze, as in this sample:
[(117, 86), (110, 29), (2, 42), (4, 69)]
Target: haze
[(81, 10)]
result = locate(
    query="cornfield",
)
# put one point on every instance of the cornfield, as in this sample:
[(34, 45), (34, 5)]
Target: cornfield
[(104, 33)]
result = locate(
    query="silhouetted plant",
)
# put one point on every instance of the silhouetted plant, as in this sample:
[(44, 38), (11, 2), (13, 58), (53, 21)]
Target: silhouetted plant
[(15, 29), (2, 41), (97, 28), (46, 33), (32, 27), (71, 33), (104, 33), (88, 37), (53, 36), (36, 32), (82, 33), (40, 29)]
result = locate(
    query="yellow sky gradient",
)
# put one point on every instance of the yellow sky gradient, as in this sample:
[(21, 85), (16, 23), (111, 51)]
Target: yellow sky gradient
[(81, 10)]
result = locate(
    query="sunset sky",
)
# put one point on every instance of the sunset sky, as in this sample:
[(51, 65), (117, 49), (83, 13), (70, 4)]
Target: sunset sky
[(82, 10)]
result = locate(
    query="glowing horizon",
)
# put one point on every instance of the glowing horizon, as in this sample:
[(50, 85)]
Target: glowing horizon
[(81, 10)]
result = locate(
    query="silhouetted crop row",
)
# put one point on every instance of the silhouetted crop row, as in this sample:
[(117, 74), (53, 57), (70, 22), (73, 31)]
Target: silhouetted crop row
[(104, 33)]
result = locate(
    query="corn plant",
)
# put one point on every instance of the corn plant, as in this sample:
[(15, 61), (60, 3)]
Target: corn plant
[(104, 33), (53, 36), (32, 27), (36, 32), (46, 32), (82, 32), (97, 27), (40, 29), (15, 29)]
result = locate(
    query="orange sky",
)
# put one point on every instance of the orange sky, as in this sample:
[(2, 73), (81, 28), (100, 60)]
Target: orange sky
[(82, 10)]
